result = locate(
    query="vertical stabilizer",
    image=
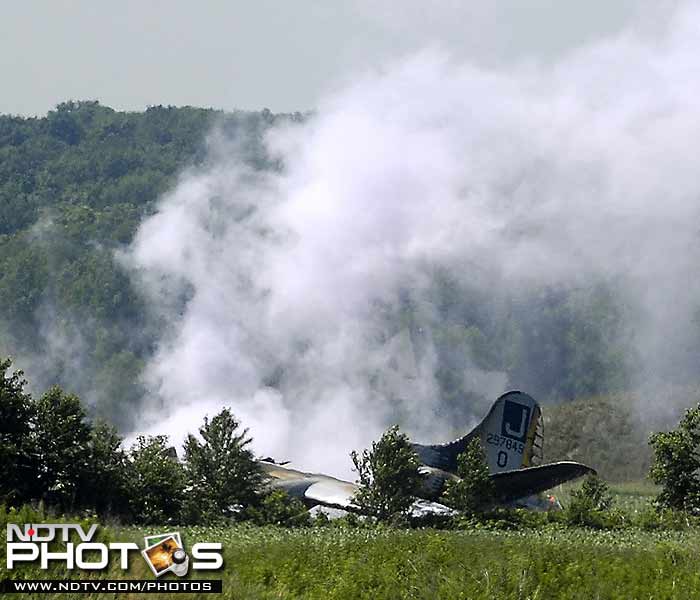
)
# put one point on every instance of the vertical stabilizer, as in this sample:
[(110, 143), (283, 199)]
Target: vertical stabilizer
[(511, 434)]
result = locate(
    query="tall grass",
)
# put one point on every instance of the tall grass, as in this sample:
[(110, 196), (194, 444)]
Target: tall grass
[(337, 562)]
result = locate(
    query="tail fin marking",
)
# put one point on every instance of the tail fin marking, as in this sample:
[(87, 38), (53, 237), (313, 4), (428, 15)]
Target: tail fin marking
[(511, 434)]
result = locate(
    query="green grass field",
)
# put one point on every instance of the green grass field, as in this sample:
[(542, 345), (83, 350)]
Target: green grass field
[(557, 563), (341, 562)]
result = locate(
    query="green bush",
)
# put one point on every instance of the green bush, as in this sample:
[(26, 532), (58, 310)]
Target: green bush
[(157, 481), (474, 491), (18, 461), (223, 477), (279, 508), (676, 464), (590, 505), (389, 477)]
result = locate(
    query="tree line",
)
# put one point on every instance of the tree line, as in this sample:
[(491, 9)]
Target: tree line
[(50, 452), (74, 187)]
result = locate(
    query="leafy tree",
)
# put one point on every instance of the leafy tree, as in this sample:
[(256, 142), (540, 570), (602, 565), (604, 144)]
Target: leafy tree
[(17, 454), (65, 127), (588, 502), (105, 483), (157, 481), (676, 463), (474, 491), (279, 508), (595, 491), (388, 475), (62, 438), (222, 473)]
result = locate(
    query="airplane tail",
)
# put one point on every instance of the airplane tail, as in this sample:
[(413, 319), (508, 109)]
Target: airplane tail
[(511, 435)]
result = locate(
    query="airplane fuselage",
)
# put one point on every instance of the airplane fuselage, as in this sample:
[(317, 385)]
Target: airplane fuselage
[(511, 435)]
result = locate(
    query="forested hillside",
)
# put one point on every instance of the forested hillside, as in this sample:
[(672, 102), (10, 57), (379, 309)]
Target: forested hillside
[(75, 185)]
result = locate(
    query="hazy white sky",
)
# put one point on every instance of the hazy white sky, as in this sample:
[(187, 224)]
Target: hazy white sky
[(252, 54)]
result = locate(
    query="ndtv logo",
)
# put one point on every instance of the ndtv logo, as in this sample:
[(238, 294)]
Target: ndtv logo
[(31, 543)]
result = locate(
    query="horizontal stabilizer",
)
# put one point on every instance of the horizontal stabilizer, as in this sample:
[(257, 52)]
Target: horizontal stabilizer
[(511, 485)]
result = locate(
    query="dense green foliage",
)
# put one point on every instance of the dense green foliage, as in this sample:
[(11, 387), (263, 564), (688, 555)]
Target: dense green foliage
[(222, 474), (109, 468), (74, 187), (157, 479), (61, 445), (676, 463), (588, 504), (17, 462), (632, 551), (279, 508), (389, 476), (474, 491), (53, 453)]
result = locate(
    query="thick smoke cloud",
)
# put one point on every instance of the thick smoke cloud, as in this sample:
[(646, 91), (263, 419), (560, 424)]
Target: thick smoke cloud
[(282, 293)]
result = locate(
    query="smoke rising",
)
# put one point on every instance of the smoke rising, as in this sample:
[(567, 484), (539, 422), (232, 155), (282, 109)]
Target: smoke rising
[(304, 297)]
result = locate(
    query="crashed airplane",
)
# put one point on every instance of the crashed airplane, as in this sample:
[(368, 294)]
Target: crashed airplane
[(512, 437)]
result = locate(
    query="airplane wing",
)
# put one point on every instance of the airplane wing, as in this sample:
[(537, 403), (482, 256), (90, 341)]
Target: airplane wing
[(332, 492), (318, 489), (511, 485), (339, 494)]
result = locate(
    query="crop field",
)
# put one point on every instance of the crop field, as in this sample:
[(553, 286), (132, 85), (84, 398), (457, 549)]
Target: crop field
[(333, 561)]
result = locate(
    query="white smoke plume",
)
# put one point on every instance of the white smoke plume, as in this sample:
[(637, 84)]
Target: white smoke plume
[(275, 287)]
